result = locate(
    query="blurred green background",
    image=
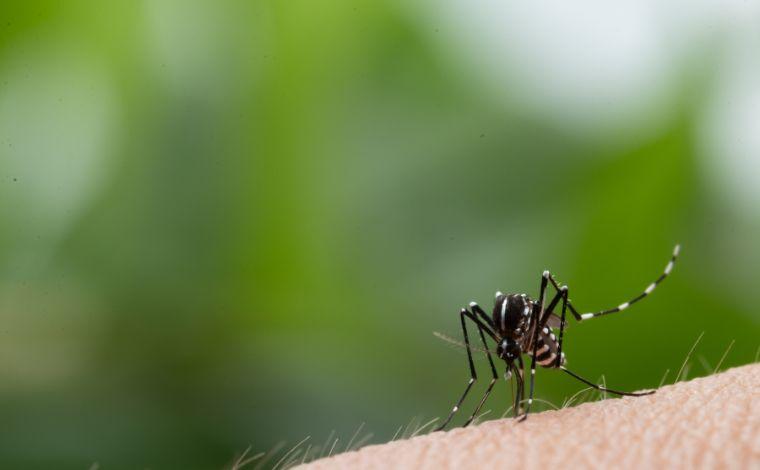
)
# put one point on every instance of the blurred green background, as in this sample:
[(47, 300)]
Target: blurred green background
[(226, 224)]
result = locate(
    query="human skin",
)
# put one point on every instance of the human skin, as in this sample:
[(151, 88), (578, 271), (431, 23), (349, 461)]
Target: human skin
[(710, 422)]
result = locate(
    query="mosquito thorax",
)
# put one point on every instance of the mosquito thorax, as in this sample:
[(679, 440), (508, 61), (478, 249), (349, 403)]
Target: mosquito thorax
[(511, 314)]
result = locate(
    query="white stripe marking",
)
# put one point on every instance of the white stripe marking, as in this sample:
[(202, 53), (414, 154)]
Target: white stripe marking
[(623, 306), (586, 316), (650, 288), (546, 331), (498, 293), (669, 267), (473, 304), (548, 360), (504, 315), (551, 335), (533, 372), (676, 250)]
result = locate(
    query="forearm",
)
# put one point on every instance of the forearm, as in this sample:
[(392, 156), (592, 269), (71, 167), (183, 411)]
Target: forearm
[(709, 422)]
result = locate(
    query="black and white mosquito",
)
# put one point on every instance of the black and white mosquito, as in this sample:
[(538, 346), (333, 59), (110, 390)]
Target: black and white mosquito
[(520, 325)]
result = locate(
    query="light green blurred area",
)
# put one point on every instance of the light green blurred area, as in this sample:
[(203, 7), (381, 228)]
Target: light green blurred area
[(226, 224)]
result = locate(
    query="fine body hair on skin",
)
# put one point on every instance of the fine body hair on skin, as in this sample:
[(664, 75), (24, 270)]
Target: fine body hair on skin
[(282, 457), (709, 422)]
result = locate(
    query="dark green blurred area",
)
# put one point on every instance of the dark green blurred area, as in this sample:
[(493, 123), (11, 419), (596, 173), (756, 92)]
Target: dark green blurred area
[(233, 224)]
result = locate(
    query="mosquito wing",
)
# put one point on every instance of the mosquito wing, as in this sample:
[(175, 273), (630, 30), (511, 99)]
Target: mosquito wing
[(555, 321)]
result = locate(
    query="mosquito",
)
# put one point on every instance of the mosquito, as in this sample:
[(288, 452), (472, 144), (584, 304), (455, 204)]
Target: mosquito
[(521, 325)]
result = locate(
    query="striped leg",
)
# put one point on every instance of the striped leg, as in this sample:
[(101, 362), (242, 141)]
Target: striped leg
[(560, 354), (559, 361), (473, 374), (624, 305)]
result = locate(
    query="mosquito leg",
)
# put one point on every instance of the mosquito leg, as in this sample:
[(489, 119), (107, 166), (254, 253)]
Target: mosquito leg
[(604, 389), (559, 361), (560, 355), (520, 373), (518, 394), (625, 305), (473, 374), (561, 293), (485, 327), (569, 304), (532, 383), (512, 386), (493, 379), (536, 317), (479, 311)]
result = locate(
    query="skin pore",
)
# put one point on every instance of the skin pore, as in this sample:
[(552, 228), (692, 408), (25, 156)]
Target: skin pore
[(710, 422)]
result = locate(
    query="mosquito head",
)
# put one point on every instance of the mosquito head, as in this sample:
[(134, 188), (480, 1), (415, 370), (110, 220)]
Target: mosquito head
[(511, 314), (508, 350)]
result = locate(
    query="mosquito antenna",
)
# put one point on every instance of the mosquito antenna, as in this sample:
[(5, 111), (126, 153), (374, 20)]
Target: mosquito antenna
[(456, 342)]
